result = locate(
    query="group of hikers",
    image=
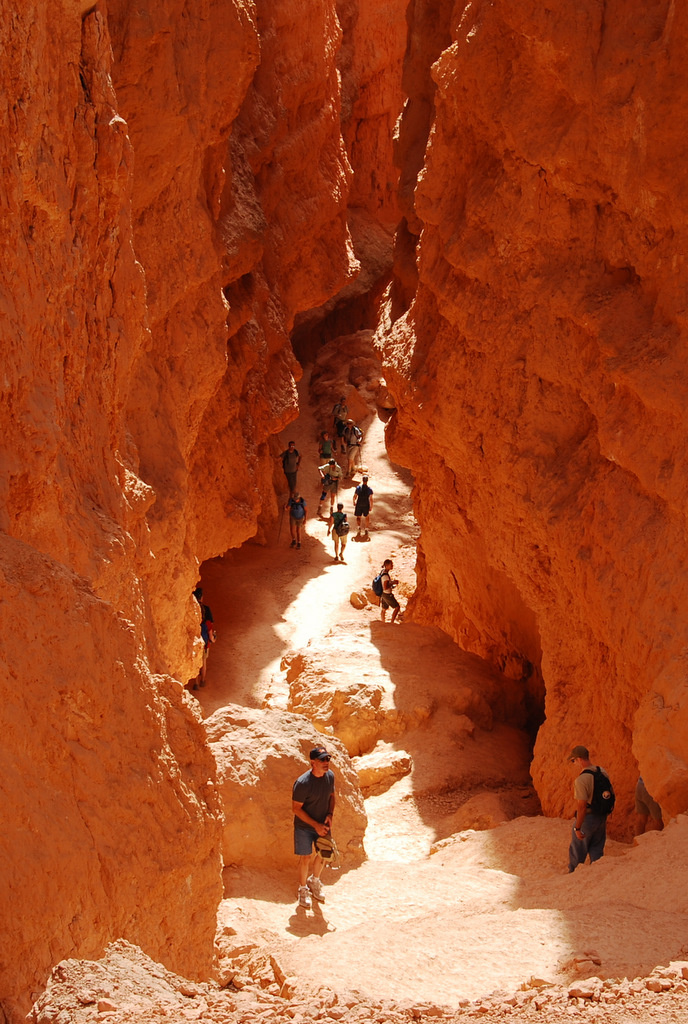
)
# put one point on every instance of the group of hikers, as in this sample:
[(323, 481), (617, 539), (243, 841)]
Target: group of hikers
[(346, 437)]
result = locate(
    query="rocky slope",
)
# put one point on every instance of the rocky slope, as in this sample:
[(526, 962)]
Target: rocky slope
[(540, 375)]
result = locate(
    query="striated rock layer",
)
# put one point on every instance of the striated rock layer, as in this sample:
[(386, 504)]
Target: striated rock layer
[(540, 375)]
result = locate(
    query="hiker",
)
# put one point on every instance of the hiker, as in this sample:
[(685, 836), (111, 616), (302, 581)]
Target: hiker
[(312, 801), (297, 517), (353, 437), (208, 636), (290, 463), (387, 598), (340, 531), (645, 808), (325, 446), (594, 798), (330, 474), (339, 416), (363, 505)]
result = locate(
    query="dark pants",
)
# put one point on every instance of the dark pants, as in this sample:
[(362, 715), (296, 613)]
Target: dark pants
[(594, 838), (291, 480)]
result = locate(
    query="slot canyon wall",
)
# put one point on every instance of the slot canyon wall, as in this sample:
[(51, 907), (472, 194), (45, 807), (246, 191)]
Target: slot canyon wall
[(183, 185), (174, 192), (540, 374)]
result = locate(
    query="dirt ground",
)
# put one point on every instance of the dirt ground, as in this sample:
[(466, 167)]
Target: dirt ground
[(445, 922)]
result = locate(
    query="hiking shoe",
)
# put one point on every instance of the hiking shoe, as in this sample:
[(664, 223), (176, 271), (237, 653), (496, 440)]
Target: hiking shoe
[(298, 544), (316, 888), (293, 544), (305, 897)]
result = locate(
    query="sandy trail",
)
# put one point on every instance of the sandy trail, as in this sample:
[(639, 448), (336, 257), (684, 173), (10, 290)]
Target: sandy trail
[(489, 910), (267, 600)]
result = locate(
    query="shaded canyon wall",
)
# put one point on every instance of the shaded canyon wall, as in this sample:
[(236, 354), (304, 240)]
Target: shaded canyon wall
[(540, 374), (174, 193)]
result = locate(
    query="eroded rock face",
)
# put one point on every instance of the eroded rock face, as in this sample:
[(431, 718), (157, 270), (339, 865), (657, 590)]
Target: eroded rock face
[(260, 754), (157, 244), (539, 376), (111, 817)]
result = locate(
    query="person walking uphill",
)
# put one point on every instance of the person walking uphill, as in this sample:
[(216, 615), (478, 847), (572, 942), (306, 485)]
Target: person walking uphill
[(363, 504), (595, 799), (291, 460), (297, 517), (312, 801), (387, 598), (339, 527)]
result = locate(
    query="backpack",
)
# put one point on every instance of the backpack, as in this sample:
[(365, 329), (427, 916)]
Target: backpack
[(297, 508), (342, 528), (603, 798), (327, 848), (208, 633), (377, 585)]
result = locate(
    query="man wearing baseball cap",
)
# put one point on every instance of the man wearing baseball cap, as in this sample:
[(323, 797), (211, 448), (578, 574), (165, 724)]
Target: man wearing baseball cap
[(312, 802), (590, 826)]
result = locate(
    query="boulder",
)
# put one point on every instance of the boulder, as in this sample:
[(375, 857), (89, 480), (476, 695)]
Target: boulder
[(382, 766), (259, 754)]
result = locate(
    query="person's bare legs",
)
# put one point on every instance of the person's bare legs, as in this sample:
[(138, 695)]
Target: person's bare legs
[(310, 864)]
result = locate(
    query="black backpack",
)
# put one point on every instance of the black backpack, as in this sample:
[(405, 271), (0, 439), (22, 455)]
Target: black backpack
[(603, 798)]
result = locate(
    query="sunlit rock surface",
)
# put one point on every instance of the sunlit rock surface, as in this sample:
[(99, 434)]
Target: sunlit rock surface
[(540, 376)]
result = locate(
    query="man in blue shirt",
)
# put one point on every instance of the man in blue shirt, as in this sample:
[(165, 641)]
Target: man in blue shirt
[(312, 802)]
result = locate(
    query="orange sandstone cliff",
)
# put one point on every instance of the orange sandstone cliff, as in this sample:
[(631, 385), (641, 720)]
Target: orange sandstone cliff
[(540, 375), (174, 193)]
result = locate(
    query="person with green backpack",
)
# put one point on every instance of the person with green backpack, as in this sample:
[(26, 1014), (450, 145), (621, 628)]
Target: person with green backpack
[(339, 527)]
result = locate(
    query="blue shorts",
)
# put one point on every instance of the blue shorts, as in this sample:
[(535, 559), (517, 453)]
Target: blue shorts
[(304, 838)]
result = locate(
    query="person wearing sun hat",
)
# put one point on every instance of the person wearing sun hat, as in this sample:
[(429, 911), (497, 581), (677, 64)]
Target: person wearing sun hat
[(312, 801)]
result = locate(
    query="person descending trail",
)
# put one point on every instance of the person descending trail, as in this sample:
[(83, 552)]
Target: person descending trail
[(330, 474), (297, 517), (353, 438), (340, 415), (291, 460), (312, 801)]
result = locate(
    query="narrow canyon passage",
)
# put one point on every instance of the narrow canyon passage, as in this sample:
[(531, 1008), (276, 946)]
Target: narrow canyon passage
[(462, 916)]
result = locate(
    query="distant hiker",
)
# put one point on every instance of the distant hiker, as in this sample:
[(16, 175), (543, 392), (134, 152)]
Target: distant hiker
[(645, 808), (325, 446), (594, 798), (208, 635), (297, 517), (330, 474), (387, 598), (353, 437), (291, 461), (312, 801), (363, 505), (340, 414), (339, 527)]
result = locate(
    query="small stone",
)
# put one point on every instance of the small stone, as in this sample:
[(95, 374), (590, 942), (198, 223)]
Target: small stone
[(658, 984), (241, 981), (585, 989), (186, 988), (106, 1006), (86, 998)]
